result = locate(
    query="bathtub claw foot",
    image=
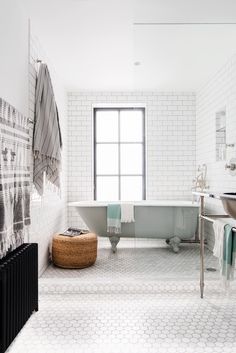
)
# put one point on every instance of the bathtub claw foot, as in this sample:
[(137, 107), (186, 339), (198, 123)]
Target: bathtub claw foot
[(174, 243), (114, 240)]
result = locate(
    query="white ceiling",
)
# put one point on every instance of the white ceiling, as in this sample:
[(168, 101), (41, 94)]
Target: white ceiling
[(185, 10), (93, 44), (181, 57)]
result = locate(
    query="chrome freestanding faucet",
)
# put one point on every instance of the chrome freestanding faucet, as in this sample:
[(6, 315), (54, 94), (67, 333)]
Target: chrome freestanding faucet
[(199, 182)]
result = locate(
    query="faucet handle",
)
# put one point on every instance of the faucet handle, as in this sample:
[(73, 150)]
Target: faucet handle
[(231, 166)]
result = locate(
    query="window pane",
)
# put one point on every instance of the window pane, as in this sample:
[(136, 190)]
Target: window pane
[(131, 126), (107, 126), (131, 158), (131, 188), (107, 189), (107, 159)]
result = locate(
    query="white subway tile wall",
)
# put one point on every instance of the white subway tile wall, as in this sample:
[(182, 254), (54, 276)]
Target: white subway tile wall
[(170, 143), (217, 94), (48, 214)]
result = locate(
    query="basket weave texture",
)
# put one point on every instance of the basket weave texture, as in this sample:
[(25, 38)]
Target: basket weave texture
[(74, 252)]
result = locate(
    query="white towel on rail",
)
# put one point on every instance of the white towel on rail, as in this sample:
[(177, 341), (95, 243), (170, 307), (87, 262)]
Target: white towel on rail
[(127, 213), (219, 227)]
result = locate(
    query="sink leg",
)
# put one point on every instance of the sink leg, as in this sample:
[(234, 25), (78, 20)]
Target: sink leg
[(174, 243), (114, 240)]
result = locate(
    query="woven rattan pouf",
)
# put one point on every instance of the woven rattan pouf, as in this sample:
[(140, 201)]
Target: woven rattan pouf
[(74, 252)]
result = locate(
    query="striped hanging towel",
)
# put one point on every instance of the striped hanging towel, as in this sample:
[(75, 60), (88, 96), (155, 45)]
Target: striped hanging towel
[(229, 255), (14, 178), (113, 219), (47, 141)]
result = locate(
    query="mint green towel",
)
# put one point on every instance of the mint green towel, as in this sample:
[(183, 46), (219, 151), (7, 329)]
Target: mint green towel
[(229, 254), (113, 218)]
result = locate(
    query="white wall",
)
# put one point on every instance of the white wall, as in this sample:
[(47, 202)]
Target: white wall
[(170, 140), (217, 93), (17, 86), (14, 55)]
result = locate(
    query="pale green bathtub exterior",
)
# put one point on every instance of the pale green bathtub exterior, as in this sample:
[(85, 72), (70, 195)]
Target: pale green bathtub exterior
[(153, 219)]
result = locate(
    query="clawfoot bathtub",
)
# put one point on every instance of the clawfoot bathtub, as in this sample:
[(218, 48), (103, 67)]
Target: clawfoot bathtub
[(170, 220)]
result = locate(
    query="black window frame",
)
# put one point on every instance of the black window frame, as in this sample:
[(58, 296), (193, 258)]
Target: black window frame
[(119, 109)]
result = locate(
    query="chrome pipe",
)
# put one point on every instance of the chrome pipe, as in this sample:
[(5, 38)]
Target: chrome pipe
[(201, 237)]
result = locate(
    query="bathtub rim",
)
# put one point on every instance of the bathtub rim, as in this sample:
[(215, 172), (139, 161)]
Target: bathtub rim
[(144, 203)]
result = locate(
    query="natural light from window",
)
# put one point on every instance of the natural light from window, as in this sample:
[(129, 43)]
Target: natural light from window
[(119, 146)]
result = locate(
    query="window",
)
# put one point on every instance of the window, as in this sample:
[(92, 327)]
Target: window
[(119, 154)]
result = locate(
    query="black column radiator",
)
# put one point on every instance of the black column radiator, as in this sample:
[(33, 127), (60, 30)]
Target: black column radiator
[(18, 291)]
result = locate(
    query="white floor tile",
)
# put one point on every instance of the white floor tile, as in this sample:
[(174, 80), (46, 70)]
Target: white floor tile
[(130, 323), (143, 299)]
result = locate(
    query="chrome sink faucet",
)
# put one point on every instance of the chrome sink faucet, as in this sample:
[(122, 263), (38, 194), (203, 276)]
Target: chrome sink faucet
[(199, 182), (231, 166)]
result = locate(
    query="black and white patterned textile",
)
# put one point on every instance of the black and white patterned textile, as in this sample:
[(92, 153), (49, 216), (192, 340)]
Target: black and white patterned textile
[(14, 177)]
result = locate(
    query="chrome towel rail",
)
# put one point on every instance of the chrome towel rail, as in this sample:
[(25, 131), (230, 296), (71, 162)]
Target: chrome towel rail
[(210, 218)]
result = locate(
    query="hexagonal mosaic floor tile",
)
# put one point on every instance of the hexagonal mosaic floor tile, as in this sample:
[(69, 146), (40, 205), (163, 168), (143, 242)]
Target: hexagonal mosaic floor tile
[(149, 323)]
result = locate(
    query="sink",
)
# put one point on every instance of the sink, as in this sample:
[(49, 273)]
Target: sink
[(229, 203)]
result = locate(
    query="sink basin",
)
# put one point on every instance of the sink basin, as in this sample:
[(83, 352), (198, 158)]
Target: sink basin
[(229, 203)]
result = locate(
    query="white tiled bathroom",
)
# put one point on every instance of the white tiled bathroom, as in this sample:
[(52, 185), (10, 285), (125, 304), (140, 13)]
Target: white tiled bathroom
[(123, 176)]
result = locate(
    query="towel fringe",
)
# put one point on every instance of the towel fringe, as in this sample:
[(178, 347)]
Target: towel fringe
[(113, 230)]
